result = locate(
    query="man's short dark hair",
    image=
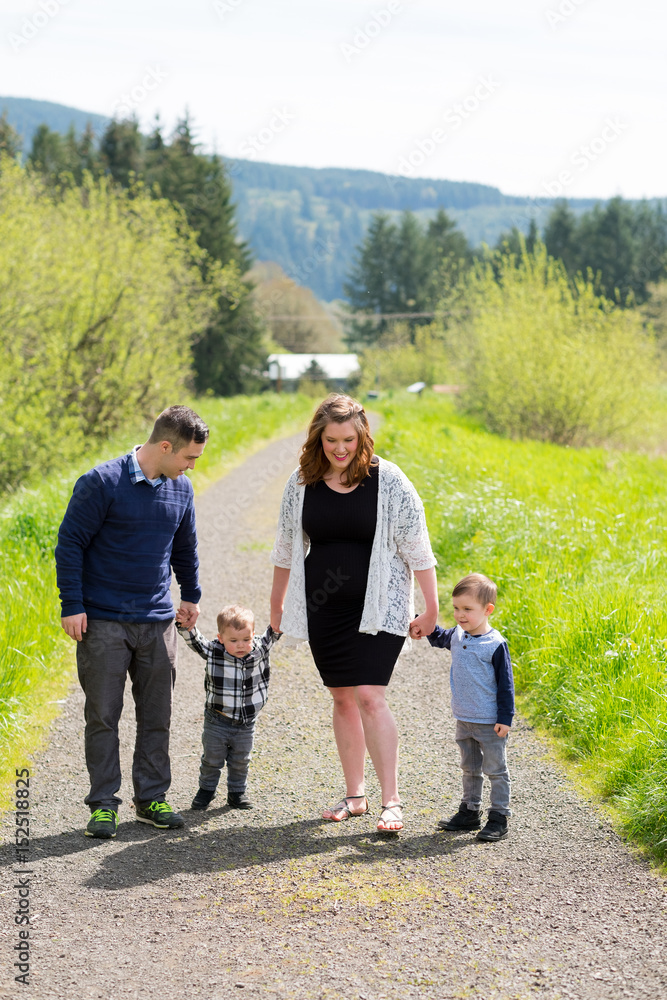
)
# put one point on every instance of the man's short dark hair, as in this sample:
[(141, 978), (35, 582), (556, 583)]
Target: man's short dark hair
[(479, 587), (179, 425)]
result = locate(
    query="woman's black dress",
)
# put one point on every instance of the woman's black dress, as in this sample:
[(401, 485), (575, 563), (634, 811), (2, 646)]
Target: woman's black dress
[(341, 527)]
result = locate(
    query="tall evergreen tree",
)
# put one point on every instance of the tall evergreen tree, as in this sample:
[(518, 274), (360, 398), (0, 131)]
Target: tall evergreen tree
[(560, 235), (371, 287), (403, 269), (122, 150), (447, 254), (608, 248), (230, 355), (411, 266)]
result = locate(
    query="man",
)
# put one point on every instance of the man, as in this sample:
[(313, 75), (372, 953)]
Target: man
[(128, 523)]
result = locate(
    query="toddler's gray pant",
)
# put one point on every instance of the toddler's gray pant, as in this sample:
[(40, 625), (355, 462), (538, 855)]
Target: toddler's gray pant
[(483, 752)]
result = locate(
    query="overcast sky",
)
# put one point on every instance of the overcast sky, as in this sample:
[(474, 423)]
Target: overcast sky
[(559, 97)]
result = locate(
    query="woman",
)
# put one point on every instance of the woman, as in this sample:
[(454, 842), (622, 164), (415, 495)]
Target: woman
[(351, 533)]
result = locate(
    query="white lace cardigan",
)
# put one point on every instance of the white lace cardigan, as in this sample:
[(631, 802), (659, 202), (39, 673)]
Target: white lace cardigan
[(400, 546)]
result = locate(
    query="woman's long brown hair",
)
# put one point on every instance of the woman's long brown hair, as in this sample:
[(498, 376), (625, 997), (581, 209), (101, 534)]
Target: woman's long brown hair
[(313, 463)]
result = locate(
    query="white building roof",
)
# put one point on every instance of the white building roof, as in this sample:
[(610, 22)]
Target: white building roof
[(293, 366)]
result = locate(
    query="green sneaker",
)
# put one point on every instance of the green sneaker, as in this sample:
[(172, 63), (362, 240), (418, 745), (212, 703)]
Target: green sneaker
[(158, 814), (103, 824)]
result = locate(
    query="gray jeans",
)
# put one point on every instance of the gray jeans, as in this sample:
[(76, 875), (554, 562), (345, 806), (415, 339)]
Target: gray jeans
[(109, 651), (225, 742), (483, 752)]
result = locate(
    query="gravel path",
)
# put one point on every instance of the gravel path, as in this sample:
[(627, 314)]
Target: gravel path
[(276, 903)]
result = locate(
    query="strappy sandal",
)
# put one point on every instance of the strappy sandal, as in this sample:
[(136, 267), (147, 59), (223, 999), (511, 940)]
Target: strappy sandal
[(344, 808), (395, 818)]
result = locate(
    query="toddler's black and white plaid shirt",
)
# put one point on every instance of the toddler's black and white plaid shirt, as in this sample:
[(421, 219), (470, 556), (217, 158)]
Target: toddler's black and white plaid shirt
[(236, 686)]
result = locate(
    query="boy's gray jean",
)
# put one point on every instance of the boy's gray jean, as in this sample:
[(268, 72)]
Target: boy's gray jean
[(225, 742), (109, 651), (483, 752)]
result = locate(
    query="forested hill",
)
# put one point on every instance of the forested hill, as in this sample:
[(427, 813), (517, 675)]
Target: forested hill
[(310, 221), (26, 115)]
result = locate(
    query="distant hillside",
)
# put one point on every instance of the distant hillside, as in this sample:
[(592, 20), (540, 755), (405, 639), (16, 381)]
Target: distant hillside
[(26, 115), (311, 220)]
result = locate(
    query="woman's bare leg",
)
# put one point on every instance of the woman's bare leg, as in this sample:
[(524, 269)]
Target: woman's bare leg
[(349, 734), (381, 737)]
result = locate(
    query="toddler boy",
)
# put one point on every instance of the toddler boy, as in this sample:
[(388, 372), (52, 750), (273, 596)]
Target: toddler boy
[(236, 684), (482, 703)]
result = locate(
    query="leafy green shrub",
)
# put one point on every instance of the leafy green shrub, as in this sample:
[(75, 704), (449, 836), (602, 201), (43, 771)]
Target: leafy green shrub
[(101, 296), (547, 358)]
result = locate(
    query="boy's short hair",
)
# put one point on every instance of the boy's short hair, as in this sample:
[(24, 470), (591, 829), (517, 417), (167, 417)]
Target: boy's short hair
[(235, 616), (481, 588)]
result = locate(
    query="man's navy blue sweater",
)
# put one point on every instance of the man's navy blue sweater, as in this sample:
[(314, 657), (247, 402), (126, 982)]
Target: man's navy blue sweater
[(118, 542)]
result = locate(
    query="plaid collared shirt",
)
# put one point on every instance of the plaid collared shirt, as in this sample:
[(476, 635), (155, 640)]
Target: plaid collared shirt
[(136, 475), (236, 686)]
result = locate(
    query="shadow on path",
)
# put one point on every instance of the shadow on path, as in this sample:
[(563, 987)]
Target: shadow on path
[(147, 855)]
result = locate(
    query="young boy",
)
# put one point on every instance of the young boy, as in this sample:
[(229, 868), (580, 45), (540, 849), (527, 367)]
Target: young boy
[(236, 684), (482, 704)]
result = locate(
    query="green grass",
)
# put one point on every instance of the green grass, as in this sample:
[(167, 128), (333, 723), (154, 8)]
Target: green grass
[(575, 540), (36, 658)]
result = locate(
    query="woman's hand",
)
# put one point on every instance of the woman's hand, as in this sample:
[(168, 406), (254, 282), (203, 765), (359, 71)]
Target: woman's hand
[(415, 633), (423, 624)]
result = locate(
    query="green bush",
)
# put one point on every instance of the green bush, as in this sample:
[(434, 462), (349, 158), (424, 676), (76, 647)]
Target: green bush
[(547, 358), (101, 296)]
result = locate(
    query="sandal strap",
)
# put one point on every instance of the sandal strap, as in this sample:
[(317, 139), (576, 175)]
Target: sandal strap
[(392, 808)]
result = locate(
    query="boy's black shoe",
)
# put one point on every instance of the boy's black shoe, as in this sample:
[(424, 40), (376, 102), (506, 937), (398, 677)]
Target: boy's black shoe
[(202, 798), (464, 819), (238, 800), (495, 828), (159, 814)]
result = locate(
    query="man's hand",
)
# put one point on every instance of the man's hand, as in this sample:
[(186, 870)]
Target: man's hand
[(187, 614), (501, 730), (75, 625)]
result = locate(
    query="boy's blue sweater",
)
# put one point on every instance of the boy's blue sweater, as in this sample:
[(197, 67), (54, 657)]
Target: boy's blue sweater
[(480, 675), (119, 541)]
